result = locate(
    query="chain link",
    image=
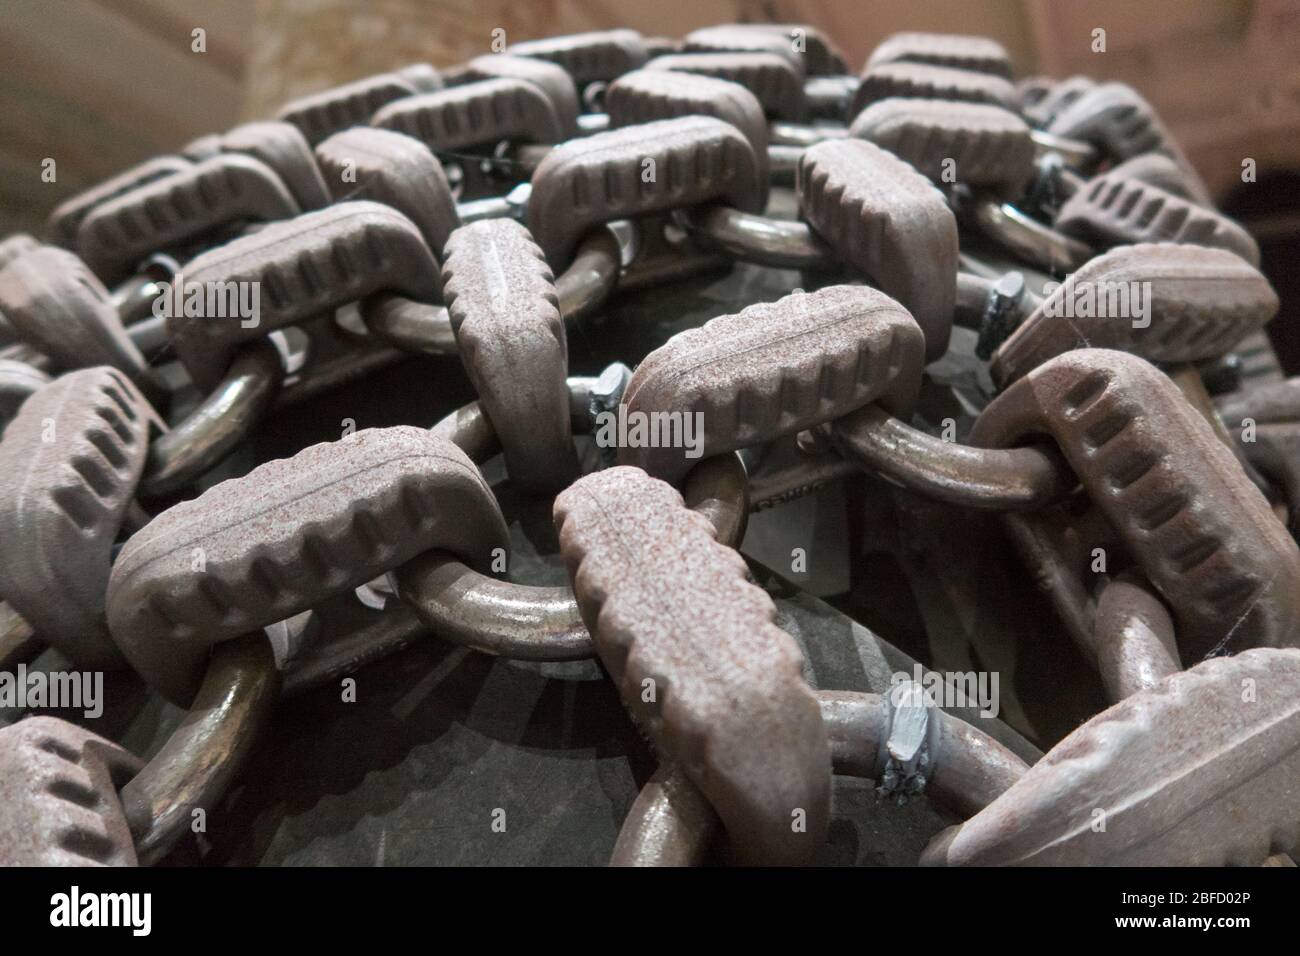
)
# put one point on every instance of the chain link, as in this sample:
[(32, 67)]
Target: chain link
[(1004, 293)]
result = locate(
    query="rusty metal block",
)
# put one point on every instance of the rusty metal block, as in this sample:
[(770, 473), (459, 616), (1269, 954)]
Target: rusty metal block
[(699, 660)]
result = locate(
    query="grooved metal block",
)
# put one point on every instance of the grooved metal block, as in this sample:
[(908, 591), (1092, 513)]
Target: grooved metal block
[(69, 464), (1199, 529), (553, 80), (989, 146), (1267, 402), (728, 39), (292, 532), (1115, 118), (283, 148), (883, 217), (1198, 304), (923, 80), (777, 368), (1164, 172), (775, 81), (202, 147), (58, 796), (475, 114), (226, 189), (1200, 770), (320, 114), (820, 56), (650, 167), (979, 54), (600, 55), (1259, 361), (66, 218), (303, 266), (1059, 96), (673, 610), (393, 169), (643, 96), (58, 306), (1113, 210), (504, 310)]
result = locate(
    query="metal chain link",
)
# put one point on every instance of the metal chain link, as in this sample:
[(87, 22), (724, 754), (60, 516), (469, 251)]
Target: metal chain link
[(1047, 237)]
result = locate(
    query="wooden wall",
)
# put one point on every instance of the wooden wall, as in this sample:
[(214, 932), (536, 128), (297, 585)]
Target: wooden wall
[(1224, 74), (303, 45), (101, 84)]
